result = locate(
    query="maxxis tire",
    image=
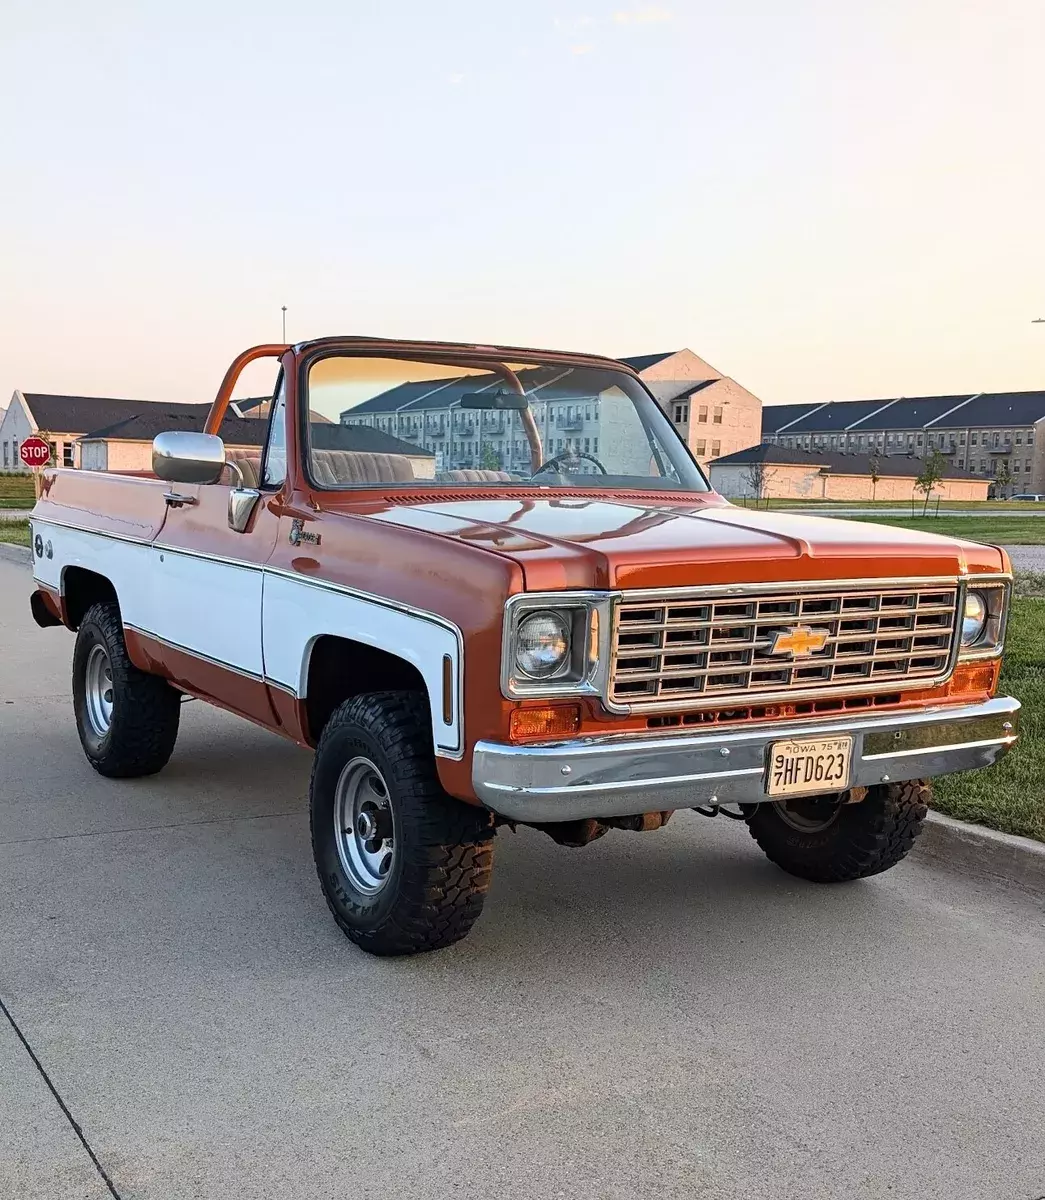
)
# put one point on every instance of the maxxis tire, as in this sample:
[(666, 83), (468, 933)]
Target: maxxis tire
[(863, 839), (443, 855), (145, 708)]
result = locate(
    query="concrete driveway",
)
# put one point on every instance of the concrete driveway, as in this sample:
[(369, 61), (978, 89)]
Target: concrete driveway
[(661, 1015)]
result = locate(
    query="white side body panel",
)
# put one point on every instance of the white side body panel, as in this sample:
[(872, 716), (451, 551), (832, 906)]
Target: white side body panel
[(209, 607), (296, 613), (254, 621)]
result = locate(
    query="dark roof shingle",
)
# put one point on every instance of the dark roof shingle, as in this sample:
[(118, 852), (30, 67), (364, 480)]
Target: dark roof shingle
[(144, 426), (81, 414), (639, 362), (961, 411)]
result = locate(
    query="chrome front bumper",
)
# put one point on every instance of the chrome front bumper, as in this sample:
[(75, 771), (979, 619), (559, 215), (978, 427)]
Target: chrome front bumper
[(619, 775)]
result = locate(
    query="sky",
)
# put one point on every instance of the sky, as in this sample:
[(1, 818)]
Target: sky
[(824, 200)]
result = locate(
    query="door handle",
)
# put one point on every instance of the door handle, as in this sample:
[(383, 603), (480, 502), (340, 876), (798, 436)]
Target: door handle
[(177, 500)]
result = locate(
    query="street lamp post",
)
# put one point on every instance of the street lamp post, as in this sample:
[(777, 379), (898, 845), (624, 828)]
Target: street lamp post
[(284, 324)]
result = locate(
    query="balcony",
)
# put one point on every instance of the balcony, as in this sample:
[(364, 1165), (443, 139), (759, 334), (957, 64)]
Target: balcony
[(1005, 448), (569, 424)]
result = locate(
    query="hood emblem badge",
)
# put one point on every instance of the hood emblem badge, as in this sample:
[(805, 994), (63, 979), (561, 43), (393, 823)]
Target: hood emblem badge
[(801, 641)]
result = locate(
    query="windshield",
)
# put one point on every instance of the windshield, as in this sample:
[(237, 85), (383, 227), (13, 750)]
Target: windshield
[(376, 421)]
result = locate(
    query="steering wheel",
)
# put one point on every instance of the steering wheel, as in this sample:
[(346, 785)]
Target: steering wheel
[(568, 456)]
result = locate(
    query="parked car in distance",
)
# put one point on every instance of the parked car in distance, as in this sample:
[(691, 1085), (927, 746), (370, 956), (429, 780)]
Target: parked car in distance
[(493, 623), (1036, 496)]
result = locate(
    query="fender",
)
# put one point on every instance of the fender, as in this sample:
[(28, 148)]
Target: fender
[(298, 611)]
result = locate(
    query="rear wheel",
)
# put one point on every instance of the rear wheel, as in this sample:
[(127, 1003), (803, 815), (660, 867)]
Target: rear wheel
[(823, 839), (127, 719), (403, 866)]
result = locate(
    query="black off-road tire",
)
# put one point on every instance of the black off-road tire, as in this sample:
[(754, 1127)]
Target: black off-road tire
[(145, 708), (443, 854), (862, 839)]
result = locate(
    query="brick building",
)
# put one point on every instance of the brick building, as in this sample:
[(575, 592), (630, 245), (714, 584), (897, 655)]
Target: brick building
[(786, 473), (997, 435)]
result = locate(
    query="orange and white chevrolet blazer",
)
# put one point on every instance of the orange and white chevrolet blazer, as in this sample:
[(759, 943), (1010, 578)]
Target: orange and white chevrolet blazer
[(490, 586)]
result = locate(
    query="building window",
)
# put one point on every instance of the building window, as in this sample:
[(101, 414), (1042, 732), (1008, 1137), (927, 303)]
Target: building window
[(972, 438), (1019, 439), (995, 439), (6, 463), (702, 448), (983, 464), (702, 414), (681, 413), (716, 449), (961, 438), (919, 440), (587, 444), (961, 462), (1026, 466), (595, 441), (716, 417)]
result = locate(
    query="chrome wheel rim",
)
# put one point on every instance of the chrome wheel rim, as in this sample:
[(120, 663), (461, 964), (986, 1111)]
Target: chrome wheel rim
[(808, 814), (98, 691), (363, 828)]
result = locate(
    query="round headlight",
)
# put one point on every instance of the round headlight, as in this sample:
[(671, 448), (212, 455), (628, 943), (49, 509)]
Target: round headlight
[(974, 620), (542, 644)]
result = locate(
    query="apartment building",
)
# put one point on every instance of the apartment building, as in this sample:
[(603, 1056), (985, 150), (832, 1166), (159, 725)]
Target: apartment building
[(997, 435), (712, 412)]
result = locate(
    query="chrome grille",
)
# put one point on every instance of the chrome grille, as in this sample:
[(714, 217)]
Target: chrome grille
[(693, 648)]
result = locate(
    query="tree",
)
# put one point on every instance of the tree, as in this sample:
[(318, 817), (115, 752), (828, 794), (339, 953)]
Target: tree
[(932, 472), (489, 459), (874, 469), (1002, 478), (758, 476)]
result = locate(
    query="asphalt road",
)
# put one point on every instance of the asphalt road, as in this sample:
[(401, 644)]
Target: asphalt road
[(661, 1015)]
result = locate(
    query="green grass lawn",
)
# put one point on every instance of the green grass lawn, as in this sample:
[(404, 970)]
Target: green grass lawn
[(16, 491), (998, 531), (1011, 795), (14, 532)]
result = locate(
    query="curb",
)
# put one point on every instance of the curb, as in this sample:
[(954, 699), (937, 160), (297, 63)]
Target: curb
[(977, 850), (16, 554)]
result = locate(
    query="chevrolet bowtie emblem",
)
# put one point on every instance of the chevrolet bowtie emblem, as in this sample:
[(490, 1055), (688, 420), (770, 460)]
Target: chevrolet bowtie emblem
[(799, 642)]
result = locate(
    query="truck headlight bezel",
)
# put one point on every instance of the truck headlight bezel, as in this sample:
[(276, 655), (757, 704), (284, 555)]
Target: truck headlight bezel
[(988, 641), (584, 618)]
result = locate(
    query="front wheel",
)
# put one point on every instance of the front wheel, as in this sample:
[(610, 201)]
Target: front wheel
[(824, 839), (403, 866)]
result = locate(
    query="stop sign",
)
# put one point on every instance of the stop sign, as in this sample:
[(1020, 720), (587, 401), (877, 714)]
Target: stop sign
[(34, 452)]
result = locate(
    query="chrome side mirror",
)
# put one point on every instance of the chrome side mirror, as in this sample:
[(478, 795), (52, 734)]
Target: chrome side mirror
[(184, 457)]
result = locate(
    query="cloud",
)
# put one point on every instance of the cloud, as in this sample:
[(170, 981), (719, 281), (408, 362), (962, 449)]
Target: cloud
[(582, 48), (455, 79), (574, 22), (648, 14)]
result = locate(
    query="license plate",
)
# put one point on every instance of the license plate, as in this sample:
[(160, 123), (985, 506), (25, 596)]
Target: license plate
[(808, 767)]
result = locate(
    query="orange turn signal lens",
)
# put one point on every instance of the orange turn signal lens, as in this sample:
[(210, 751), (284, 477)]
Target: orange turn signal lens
[(544, 722), (975, 677)]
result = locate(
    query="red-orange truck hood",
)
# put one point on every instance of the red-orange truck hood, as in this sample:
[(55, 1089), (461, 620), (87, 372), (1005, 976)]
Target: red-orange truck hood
[(572, 542)]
